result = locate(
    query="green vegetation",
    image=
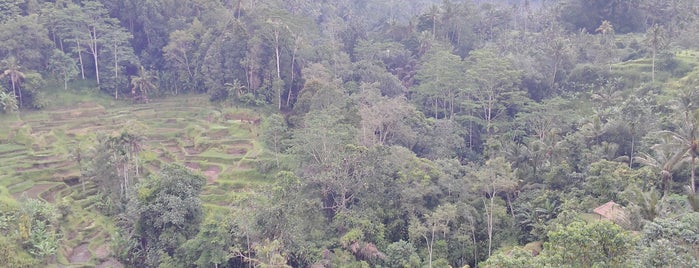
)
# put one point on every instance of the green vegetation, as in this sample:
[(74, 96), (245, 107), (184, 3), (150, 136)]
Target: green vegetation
[(273, 133), (53, 159)]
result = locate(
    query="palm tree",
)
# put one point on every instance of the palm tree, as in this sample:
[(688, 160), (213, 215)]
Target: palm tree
[(434, 14), (235, 89), (557, 50), (606, 29), (686, 134), (681, 144), (689, 143), (655, 40), (144, 81), (16, 76), (667, 155), (647, 202), (125, 149)]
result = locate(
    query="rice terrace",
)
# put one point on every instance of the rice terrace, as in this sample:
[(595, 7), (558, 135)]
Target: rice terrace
[(40, 153), (349, 133)]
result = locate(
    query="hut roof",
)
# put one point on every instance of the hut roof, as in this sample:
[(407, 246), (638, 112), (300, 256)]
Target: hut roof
[(610, 210)]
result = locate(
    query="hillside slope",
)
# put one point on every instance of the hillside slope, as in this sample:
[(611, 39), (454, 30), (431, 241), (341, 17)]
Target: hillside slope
[(41, 155)]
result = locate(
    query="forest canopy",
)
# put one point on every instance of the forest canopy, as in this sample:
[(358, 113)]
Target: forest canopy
[(422, 133)]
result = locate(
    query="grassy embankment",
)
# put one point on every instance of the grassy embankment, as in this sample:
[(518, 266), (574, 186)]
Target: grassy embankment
[(38, 156)]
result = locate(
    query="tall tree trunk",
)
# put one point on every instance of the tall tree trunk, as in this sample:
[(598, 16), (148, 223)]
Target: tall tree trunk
[(116, 71), (276, 52), (19, 90), (237, 9), (509, 203), (633, 143), (435, 108), (116, 62), (653, 67), (95, 56), (692, 186), (555, 71), (186, 62), (80, 58), (291, 84), (489, 219), (279, 97), (490, 226), (434, 27), (430, 243), (65, 80), (279, 75), (451, 104), (14, 90)]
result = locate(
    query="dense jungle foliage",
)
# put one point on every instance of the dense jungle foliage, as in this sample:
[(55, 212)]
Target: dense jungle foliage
[(421, 133)]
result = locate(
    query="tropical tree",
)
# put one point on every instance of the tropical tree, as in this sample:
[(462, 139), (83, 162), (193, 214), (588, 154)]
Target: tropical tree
[(685, 104), (235, 90), (669, 242), (178, 49), (12, 70), (491, 179), (63, 65), (588, 244), (103, 32), (557, 50), (9, 10), (605, 29), (384, 119), (434, 225), (25, 39), (495, 82), (283, 31), (116, 41), (665, 158), (180, 57), (113, 167), (68, 30), (144, 81), (441, 82), (167, 211), (214, 242), (636, 115), (8, 102), (274, 133), (655, 39)]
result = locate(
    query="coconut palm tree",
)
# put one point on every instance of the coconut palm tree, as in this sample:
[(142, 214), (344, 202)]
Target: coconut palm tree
[(235, 89), (12, 70), (689, 142), (606, 28), (655, 39), (666, 157), (144, 81), (125, 149), (686, 133), (607, 31)]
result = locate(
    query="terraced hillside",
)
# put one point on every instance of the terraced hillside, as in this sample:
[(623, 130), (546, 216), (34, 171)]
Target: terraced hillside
[(39, 155)]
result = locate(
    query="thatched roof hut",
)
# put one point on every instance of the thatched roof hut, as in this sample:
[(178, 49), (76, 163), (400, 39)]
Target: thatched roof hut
[(611, 211)]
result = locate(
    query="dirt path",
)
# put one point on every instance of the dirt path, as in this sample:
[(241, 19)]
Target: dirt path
[(103, 251), (80, 254), (50, 195), (211, 173), (35, 191)]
